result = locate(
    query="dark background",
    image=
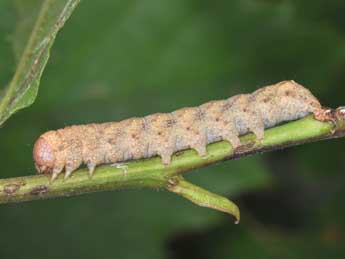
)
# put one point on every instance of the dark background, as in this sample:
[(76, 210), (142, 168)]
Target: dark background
[(118, 59)]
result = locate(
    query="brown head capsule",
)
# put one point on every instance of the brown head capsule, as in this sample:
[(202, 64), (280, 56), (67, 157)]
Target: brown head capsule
[(45, 153), (43, 156)]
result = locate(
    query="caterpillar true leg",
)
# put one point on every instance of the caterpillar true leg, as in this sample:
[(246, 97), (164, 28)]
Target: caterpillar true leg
[(67, 173), (91, 166), (56, 172)]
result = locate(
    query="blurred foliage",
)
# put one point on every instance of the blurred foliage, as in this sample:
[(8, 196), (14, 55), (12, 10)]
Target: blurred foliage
[(21, 92), (117, 59)]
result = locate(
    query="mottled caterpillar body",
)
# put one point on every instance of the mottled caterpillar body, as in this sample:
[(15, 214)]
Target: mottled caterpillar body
[(163, 134)]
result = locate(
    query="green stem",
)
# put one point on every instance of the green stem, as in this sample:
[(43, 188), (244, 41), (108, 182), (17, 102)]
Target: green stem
[(151, 173)]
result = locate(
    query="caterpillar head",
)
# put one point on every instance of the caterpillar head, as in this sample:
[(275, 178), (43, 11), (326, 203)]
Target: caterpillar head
[(44, 153)]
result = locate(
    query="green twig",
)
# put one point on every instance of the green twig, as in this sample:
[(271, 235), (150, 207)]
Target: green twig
[(151, 173)]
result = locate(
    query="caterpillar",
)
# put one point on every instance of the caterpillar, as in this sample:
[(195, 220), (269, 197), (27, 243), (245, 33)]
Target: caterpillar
[(163, 134)]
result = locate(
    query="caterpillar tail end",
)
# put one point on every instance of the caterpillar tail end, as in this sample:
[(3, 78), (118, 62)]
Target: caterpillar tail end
[(324, 115)]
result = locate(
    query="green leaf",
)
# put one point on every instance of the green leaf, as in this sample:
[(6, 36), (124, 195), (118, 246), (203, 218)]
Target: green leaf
[(26, 15), (203, 197), (22, 90)]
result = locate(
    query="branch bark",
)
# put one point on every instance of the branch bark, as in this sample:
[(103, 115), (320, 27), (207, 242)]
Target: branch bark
[(151, 173)]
